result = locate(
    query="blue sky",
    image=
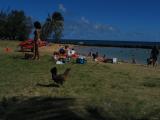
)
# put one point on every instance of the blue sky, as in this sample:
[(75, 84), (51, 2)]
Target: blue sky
[(98, 19)]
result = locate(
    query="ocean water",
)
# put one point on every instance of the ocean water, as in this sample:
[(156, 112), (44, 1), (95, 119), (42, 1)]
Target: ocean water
[(113, 43), (123, 54)]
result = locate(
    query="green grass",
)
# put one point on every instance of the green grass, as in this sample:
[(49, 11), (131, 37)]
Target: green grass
[(93, 91)]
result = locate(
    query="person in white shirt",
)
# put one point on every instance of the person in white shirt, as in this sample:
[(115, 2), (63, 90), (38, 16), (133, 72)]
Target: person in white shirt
[(73, 51)]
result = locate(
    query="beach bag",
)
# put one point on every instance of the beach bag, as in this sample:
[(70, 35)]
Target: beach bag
[(81, 61), (59, 63)]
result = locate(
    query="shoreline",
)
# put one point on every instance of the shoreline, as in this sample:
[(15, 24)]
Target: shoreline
[(118, 44), (110, 43)]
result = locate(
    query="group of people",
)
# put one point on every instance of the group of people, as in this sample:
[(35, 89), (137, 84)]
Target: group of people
[(152, 60), (97, 58), (64, 54)]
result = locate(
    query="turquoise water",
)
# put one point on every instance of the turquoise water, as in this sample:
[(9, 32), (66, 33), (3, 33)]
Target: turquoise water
[(123, 54)]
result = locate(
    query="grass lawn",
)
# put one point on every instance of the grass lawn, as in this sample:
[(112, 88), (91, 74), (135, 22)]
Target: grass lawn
[(94, 91)]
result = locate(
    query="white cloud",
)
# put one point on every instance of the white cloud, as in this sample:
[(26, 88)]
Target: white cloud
[(90, 30), (96, 26), (62, 8), (111, 28), (104, 28), (83, 19)]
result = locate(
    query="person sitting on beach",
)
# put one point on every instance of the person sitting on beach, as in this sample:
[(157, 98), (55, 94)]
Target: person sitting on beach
[(100, 59), (69, 53), (66, 48), (61, 50), (74, 54), (73, 51), (104, 59), (94, 56), (55, 56), (58, 58), (62, 54)]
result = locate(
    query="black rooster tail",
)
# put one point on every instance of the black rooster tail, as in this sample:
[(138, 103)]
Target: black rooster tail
[(54, 71)]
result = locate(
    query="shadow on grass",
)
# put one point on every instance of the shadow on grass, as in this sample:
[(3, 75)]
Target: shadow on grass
[(48, 108), (48, 85), (38, 108), (94, 112)]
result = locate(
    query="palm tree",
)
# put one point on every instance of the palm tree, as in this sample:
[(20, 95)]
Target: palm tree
[(58, 23), (54, 25), (47, 28)]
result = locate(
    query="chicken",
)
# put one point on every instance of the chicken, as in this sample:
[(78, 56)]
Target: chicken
[(59, 78)]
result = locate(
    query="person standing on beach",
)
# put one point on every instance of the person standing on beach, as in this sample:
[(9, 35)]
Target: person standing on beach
[(37, 39), (154, 55)]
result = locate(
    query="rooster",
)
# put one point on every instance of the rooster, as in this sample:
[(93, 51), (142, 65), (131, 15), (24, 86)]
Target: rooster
[(59, 78)]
